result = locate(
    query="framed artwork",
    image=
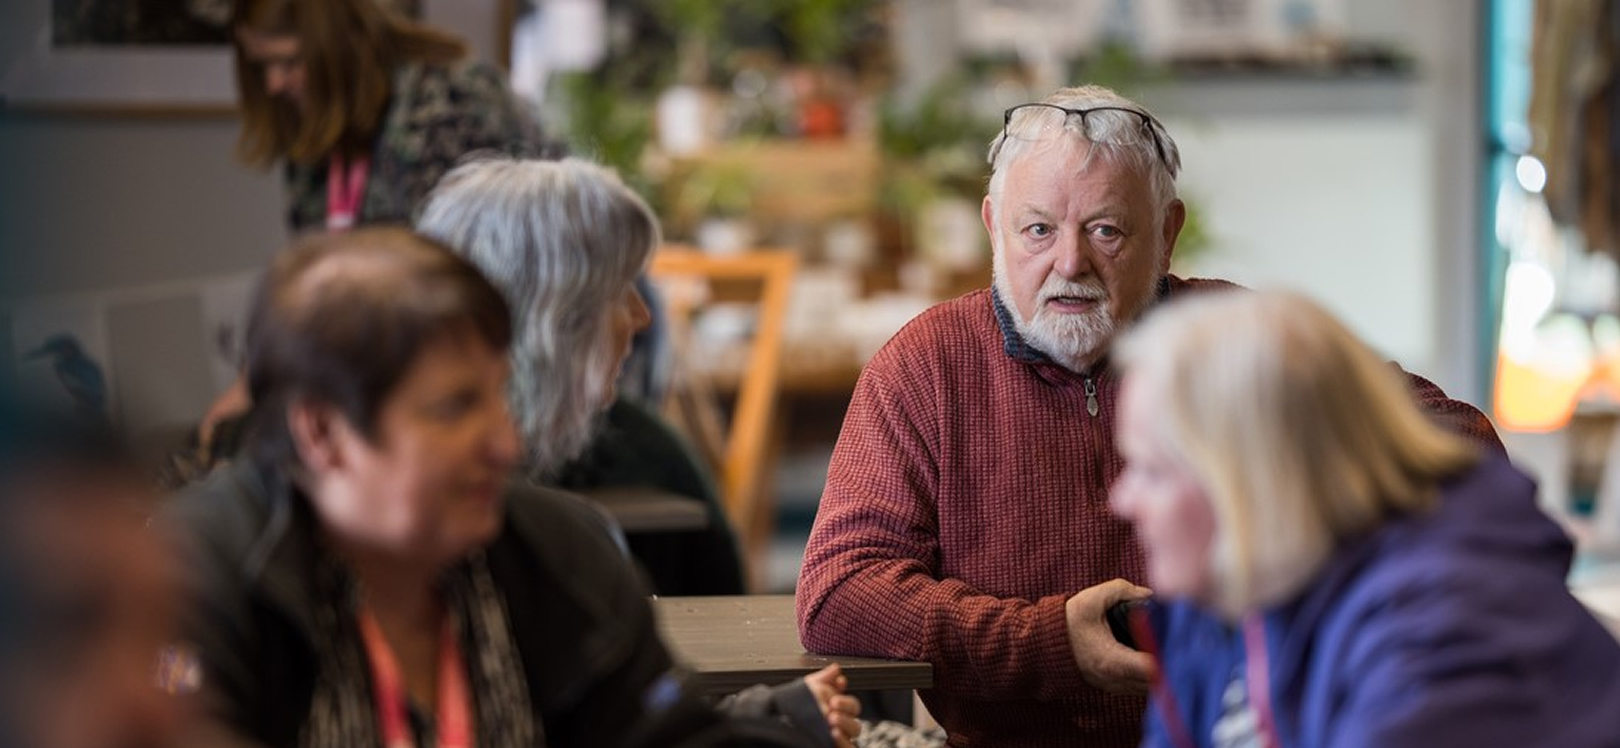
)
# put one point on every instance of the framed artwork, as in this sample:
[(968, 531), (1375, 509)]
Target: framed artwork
[(161, 56)]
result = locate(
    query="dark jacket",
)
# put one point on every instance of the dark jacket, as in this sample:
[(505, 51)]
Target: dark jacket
[(635, 447), (1452, 628), (579, 617)]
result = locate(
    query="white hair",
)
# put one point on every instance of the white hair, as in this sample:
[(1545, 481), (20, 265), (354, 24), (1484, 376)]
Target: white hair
[(563, 240), (1118, 138)]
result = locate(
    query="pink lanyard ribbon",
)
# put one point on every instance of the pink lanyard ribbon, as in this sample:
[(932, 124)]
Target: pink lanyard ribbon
[(345, 186), (1258, 675), (454, 713)]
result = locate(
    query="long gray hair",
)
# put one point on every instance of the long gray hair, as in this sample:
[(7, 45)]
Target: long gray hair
[(564, 240)]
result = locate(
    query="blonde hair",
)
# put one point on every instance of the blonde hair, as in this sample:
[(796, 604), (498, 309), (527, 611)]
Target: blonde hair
[(1300, 434)]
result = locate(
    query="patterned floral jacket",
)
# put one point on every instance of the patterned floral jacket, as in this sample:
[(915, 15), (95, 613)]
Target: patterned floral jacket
[(437, 115)]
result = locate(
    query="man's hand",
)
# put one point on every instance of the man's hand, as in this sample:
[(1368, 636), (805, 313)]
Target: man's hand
[(1105, 663), (828, 685)]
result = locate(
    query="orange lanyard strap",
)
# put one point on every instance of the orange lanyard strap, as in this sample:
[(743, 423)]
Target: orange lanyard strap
[(454, 713)]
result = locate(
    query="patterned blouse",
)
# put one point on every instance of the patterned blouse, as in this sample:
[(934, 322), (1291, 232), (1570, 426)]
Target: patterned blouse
[(437, 115)]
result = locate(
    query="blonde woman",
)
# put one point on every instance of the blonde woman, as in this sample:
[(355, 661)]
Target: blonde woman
[(1336, 569)]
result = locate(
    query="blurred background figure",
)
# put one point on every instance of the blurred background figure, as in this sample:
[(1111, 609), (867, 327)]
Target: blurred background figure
[(566, 242), (366, 108), (86, 592), (1338, 570)]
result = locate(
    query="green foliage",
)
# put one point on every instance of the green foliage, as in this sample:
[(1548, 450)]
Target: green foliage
[(717, 187), (1115, 65), (932, 148), (709, 31), (1195, 239), (819, 30), (608, 125)]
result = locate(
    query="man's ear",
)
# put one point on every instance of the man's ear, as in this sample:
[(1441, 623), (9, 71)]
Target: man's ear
[(1175, 216), (317, 431), (987, 211)]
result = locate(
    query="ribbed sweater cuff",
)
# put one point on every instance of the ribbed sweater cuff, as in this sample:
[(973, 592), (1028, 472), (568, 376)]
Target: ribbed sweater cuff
[(1059, 673)]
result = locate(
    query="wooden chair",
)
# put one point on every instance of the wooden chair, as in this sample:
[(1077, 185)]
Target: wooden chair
[(741, 452)]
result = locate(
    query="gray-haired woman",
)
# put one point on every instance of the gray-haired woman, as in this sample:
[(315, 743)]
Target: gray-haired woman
[(565, 241)]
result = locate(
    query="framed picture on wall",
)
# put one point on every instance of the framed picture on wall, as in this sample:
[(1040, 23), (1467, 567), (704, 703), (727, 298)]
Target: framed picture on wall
[(123, 55)]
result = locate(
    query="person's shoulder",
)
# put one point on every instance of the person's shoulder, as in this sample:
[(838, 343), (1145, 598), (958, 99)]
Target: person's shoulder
[(945, 326), (456, 77), (1485, 541), (559, 527), (230, 507), (561, 548), (1179, 285)]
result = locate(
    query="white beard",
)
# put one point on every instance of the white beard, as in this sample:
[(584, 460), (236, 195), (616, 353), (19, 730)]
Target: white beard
[(1071, 340)]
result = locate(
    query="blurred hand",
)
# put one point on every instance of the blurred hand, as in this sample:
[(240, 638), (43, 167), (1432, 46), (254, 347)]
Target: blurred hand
[(234, 401), (1104, 662), (828, 684)]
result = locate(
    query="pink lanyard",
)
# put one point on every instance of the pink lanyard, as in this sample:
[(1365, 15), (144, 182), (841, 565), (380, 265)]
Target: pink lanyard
[(1258, 675), (345, 186), (454, 708), (1169, 710)]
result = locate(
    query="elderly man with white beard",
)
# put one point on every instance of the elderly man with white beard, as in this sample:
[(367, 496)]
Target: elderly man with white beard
[(965, 520)]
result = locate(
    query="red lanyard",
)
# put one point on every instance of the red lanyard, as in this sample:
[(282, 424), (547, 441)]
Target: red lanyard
[(345, 186), (1258, 675), (1169, 710), (454, 707)]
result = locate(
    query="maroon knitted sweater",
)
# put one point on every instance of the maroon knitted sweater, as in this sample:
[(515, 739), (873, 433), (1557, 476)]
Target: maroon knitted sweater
[(967, 499)]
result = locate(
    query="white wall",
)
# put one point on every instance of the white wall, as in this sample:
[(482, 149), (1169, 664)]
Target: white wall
[(120, 229), (1360, 192), (1334, 206)]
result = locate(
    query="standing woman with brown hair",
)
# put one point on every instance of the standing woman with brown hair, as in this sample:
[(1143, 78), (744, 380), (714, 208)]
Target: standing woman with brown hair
[(365, 107)]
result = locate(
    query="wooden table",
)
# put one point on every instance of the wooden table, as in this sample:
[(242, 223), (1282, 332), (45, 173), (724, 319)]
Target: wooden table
[(731, 643), (640, 509)]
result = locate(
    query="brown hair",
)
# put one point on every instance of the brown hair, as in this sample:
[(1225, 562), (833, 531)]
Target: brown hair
[(349, 49), (339, 318)]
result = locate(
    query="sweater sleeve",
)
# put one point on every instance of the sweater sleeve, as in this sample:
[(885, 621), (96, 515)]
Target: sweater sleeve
[(871, 583)]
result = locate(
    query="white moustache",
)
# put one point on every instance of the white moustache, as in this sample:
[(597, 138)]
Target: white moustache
[(1073, 291)]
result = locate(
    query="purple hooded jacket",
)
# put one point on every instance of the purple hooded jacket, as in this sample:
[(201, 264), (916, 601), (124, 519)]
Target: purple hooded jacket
[(1451, 628)]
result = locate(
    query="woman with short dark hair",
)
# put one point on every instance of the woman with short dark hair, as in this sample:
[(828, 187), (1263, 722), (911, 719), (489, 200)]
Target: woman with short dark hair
[(370, 577)]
